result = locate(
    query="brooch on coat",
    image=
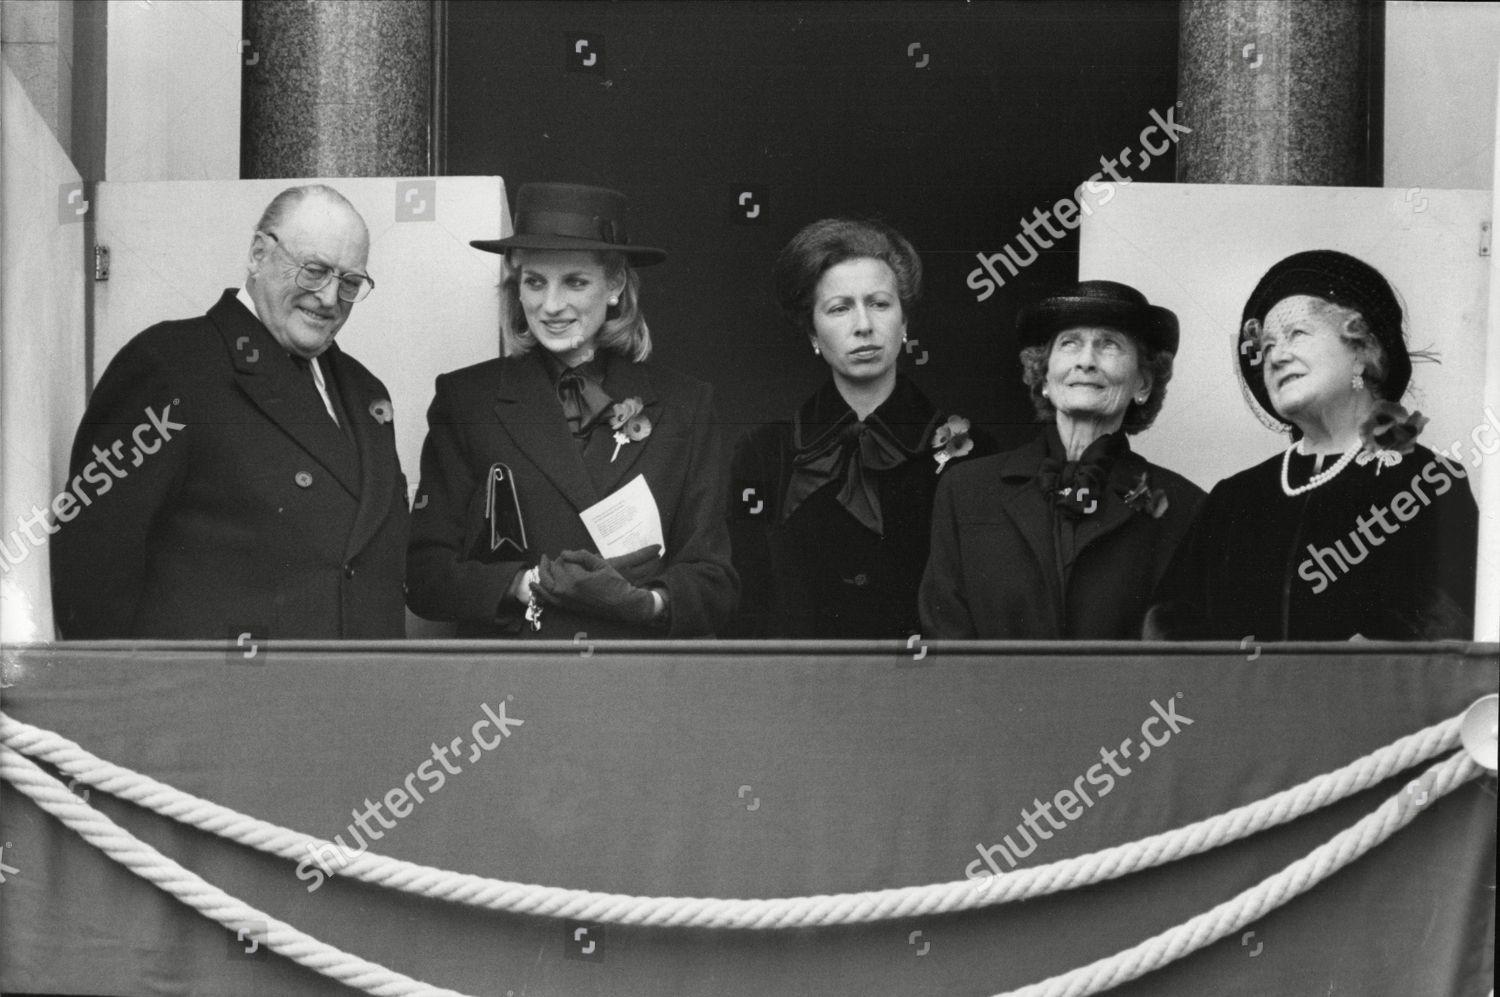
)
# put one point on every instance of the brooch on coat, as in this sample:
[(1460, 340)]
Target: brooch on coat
[(1388, 434), (629, 423), (951, 440), (382, 411), (1144, 498)]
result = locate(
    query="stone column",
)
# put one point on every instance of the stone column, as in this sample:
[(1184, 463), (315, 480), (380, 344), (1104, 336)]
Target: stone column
[(1281, 92), (336, 88)]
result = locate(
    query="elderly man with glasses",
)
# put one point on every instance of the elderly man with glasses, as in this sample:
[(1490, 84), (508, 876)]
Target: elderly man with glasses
[(235, 476)]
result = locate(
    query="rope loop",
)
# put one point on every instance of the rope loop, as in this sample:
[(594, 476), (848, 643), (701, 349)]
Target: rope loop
[(20, 743)]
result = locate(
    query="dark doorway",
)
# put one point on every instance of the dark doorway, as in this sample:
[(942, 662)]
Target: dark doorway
[(953, 122)]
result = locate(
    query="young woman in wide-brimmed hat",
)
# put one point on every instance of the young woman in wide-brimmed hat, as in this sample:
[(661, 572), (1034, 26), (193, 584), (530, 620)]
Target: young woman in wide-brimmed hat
[(518, 447), (1066, 536), (1355, 530)]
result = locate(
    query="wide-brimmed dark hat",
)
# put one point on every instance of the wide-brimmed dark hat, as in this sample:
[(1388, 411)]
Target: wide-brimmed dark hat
[(570, 216), (1342, 280), (1103, 303)]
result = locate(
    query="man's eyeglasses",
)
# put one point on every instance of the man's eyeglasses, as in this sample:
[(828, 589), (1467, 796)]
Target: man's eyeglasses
[(315, 276)]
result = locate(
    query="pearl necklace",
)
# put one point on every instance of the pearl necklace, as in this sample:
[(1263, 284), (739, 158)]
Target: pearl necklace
[(1321, 477)]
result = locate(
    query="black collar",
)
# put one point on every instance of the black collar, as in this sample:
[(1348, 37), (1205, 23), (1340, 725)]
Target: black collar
[(906, 417)]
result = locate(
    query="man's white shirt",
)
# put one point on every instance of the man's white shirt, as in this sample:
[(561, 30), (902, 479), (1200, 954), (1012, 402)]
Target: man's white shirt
[(243, 297)]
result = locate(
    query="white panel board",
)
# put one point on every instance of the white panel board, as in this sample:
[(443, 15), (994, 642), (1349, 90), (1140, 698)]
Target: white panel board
[(175, 246), (1199, 249), (174, 90), (1439, 93), (41, 349)]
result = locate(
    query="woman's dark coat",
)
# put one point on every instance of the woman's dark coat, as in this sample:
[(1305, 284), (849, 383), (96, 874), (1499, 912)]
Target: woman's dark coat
[(821, 572), (993, 571), (1261, 564), (507, 411)]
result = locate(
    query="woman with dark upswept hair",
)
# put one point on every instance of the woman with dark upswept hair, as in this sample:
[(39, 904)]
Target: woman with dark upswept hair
[(837, 544), (519, 446)]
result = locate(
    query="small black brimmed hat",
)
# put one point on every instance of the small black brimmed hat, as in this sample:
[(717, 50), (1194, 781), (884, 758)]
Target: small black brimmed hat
[(1101, 303), (571, 217)]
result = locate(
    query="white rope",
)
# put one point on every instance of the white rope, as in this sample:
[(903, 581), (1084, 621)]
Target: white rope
[(210, 901), (708, 912), (1102, 975), (1232, 915)]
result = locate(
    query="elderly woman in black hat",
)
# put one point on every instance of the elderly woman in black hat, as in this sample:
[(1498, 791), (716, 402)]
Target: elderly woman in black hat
[(1354, 530), (843, 490), (508, 532), (1066, 536)]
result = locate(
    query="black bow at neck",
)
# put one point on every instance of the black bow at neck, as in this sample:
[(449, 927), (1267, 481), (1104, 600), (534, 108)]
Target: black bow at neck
[(1076, 488), (580, 391), (834, 445)]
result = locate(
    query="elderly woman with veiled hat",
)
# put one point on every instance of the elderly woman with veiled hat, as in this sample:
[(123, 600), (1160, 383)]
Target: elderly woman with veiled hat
[(834, 503), (1066, 537), (1354, 530), (521, 449)]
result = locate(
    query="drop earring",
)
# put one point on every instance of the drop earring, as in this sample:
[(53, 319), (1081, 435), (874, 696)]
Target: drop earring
[(817, 352), (1357, 382)]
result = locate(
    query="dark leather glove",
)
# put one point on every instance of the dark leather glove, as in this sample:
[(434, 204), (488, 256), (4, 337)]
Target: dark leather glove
[(585, 582), (637, 567)]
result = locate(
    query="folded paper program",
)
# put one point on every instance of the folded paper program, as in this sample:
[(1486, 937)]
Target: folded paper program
[(625, 521)]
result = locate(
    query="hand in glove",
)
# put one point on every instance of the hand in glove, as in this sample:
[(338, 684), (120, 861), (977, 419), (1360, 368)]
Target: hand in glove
[(637, 567), (583, 581)]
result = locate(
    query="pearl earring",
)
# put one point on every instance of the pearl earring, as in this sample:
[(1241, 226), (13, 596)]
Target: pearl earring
[(614, 301), (817, 352), (1357, 382)]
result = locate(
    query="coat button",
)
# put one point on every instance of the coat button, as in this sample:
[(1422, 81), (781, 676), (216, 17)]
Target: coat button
[(348, 571), (303, 479)]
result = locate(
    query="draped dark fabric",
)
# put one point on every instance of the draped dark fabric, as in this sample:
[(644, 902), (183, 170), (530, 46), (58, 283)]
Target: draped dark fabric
[(695, 769)]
